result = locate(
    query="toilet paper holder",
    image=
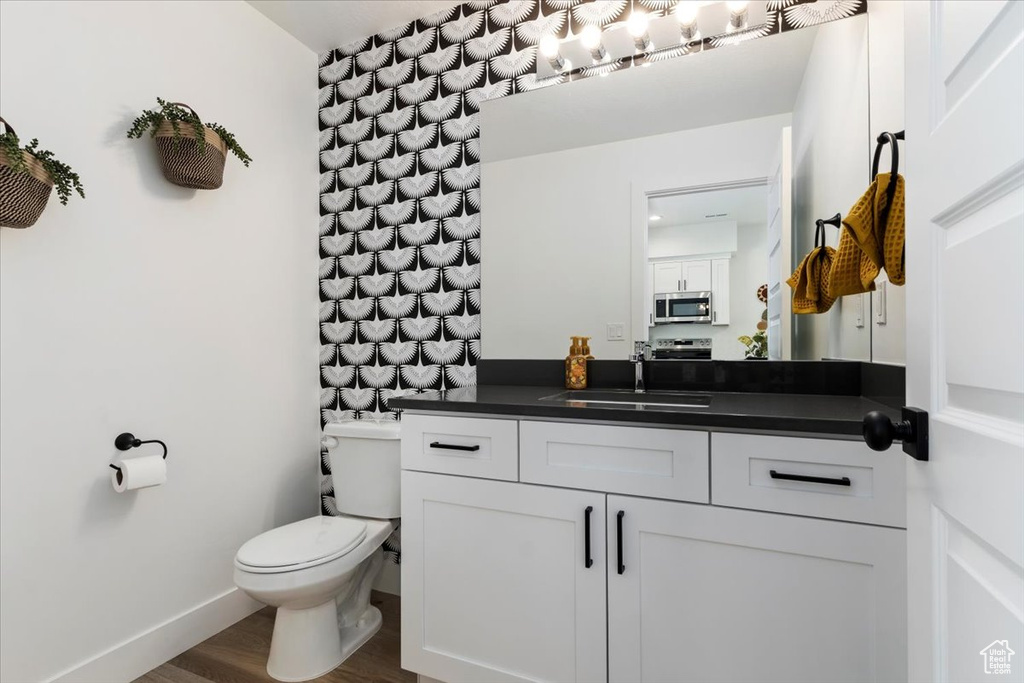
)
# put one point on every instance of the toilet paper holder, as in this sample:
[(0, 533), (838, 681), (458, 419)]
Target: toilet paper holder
[(127, 441)]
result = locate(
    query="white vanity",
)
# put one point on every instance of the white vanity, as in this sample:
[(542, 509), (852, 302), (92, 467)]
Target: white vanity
[(542, 550)]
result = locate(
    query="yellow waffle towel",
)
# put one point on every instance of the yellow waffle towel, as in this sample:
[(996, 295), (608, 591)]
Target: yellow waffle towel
[(866, 246), (810, 282)]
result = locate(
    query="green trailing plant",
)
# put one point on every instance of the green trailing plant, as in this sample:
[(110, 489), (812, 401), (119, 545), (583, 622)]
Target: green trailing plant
[(179, 116), (64, 179)]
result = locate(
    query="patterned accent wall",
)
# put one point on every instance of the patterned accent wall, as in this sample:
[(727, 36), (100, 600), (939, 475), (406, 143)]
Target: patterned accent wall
[(400, 185)]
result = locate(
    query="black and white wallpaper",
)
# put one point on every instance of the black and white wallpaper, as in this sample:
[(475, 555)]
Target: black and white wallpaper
[(400, 185)]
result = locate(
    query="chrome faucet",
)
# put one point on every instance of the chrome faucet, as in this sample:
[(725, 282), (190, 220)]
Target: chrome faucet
[(641, 350)]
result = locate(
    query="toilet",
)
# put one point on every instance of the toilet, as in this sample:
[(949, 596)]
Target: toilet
[(318, 571)]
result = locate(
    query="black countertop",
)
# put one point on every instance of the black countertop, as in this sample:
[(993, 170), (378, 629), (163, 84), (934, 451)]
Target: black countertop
[(812, 414)]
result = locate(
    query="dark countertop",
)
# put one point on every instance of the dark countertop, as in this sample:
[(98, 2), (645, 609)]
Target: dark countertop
[(813, 414)]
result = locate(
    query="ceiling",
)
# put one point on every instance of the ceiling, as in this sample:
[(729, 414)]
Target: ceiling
[(745, 205), (324, 25)]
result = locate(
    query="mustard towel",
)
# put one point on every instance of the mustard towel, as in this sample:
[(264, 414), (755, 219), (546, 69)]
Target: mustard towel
[(865, 245), (810, 282)]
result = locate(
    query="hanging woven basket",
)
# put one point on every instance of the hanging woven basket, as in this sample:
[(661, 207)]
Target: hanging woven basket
[(183, 163), (23, 195)]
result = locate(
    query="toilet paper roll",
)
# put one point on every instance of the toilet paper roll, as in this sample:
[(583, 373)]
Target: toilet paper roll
[(139, 473)]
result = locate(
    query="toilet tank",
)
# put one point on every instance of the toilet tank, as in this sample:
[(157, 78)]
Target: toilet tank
[(366, 467)]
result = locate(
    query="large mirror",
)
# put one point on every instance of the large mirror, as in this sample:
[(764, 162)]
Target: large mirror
[(670, 203)]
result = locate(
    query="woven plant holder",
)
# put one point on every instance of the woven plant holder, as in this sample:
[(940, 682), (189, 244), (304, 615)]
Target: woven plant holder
[(182, 163), (23, 196)]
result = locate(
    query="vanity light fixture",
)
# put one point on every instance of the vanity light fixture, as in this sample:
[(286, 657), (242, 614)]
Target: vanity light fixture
[(737, 15), (590, 38), (686, 13), (549, 49), (637, 26)]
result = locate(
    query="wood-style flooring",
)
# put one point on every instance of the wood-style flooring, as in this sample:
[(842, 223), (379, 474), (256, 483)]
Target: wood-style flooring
[(238, 654)]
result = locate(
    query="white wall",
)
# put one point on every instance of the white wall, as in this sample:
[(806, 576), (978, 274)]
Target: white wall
[(831, 169), (748, 270), (556, 231), (693, 239), (175, 314), (885, 34)]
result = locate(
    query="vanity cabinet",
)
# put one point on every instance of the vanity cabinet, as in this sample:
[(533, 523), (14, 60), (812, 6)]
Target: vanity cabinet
[(496, 582), (613, 559), (716, 594)]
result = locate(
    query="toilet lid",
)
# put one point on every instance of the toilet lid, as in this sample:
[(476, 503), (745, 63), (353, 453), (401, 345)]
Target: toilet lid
[(308, 542)]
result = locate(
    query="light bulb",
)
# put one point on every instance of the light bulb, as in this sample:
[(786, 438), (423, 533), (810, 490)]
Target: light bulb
[(737, 15), (549, 49), (637, 26), (655, 217), (549, 46), (686, 13), (590, 38)]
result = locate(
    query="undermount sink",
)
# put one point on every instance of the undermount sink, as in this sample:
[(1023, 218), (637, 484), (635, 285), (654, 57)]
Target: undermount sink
[(650, 398)]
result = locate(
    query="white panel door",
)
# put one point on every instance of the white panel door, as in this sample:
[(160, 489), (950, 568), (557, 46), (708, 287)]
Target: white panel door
[(720, 291), (965, 325), (716, 594), (780, 250), (668, 277), (696, 276), (496, 584)]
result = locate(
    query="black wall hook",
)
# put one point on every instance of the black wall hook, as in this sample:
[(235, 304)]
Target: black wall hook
[(126, 441)]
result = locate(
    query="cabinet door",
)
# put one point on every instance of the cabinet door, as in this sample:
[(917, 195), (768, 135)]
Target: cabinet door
[(720, 291), (715, 594), (495, 582), (696, 276), (667, 277), (649, 292)]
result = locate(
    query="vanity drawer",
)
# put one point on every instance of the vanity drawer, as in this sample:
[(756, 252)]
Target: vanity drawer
[(658, 463), (813, 477), (473, 447)]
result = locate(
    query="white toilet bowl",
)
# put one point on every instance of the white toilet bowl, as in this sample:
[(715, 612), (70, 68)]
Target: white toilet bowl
[(318, 573)]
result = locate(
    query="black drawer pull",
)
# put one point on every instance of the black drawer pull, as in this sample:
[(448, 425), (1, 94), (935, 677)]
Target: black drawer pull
[(618, 542), (589, 561), (838, 481), (454, 446)]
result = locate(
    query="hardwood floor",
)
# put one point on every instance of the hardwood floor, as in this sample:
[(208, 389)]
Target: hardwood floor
[(239, 654)]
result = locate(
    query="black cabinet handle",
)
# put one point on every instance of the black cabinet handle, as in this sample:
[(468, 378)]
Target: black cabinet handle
[(589, 561), (838, 481), (454, 446), (618, 541)]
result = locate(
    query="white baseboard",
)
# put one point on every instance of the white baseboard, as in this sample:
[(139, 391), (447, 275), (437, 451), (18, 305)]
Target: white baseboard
[(390, 579), (146, 651)]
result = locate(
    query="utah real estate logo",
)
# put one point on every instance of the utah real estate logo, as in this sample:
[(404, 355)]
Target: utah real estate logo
[(997, 657)]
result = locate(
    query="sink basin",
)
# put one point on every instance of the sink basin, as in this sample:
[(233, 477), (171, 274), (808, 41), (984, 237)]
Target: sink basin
[(668, 399)]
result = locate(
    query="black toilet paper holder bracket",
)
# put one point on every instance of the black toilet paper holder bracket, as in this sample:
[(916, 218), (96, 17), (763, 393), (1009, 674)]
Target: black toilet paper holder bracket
[(127, 441)]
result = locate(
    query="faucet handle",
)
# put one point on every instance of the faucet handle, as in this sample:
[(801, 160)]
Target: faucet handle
[(640, 350)]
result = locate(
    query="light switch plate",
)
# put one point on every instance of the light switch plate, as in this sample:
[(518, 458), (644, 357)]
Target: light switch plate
[(878, 303), (616, 331)]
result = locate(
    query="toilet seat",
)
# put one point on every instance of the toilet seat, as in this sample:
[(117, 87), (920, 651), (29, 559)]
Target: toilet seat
[(307, 543)]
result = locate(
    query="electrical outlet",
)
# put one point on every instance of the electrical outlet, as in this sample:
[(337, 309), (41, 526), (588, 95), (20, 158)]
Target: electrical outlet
[(616, 331)]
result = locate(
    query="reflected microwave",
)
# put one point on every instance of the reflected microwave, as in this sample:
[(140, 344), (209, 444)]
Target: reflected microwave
[(682, 307)]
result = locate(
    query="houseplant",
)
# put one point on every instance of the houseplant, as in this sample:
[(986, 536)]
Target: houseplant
[(757, 344), (192, 153), (27, 177)]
